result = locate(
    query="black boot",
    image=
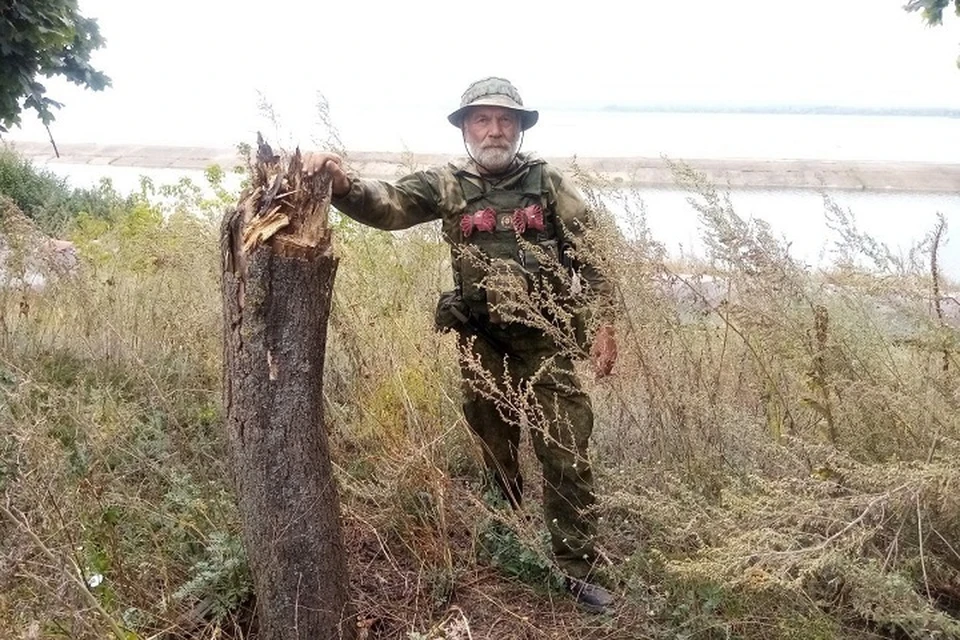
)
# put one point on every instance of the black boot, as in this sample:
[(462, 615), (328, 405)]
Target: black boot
[(590, 597)]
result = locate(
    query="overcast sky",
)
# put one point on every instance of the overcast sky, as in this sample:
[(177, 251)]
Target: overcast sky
[(188, 71)]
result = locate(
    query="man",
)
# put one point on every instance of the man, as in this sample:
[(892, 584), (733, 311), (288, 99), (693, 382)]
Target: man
[(516, 228)]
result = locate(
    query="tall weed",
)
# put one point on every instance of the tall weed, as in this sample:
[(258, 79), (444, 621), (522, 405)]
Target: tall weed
[(775, 453)]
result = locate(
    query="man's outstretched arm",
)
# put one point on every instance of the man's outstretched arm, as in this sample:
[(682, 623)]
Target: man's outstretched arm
[(408, 201)]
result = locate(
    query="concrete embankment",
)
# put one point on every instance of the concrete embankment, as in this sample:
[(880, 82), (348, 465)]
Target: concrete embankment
[(639, 172)]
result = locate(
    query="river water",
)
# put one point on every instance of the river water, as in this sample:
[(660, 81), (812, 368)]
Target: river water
[(899, 219)]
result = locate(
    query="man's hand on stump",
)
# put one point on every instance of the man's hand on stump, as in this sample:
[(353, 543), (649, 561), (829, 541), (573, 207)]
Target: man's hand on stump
[(332, 165)]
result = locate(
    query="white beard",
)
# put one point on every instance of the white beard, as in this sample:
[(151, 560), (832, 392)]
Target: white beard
[(493, 159)]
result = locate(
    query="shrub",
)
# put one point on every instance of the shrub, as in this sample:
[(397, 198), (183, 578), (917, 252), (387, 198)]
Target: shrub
[(47, 198)]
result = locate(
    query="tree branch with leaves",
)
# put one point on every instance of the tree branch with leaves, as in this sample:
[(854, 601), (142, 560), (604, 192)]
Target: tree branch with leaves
[(932, 11), (43, 39)]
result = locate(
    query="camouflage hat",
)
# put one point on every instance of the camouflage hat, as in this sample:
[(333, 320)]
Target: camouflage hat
[(494, 92)]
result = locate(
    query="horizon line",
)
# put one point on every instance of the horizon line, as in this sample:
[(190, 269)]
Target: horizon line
[(763, 108)]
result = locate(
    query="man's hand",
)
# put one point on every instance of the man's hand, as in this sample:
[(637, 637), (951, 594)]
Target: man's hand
[(332, 165), (604, 351)]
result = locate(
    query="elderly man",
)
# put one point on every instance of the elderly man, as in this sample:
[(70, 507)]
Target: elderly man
[(510, 218)]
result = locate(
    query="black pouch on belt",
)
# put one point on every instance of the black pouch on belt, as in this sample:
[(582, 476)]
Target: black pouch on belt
[(452, 312)]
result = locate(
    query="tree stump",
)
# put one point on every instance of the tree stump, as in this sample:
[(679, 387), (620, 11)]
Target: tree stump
[(278, 273)]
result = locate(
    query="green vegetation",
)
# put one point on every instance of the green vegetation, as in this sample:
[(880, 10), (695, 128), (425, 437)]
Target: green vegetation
[(776, 454), (932, 11), (44, 38), (46, 198)]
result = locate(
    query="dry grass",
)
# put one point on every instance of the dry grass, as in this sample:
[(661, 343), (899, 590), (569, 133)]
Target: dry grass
[(775, 455)]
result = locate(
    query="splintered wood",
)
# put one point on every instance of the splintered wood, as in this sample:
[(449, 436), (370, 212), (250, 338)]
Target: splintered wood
[(284, 206)]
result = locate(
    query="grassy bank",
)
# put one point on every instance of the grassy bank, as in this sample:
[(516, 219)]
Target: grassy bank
[(775, 454)]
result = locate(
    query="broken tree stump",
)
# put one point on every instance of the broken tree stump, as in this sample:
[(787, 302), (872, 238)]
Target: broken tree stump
[(278, 273)]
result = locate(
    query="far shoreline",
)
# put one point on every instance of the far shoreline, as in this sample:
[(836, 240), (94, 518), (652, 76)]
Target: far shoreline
[(735, 173), (627, 172)]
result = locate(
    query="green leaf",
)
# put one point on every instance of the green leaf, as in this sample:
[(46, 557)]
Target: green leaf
[(44, 38)]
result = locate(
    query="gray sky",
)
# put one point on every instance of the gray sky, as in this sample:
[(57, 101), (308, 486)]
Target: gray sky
[(188, 71)]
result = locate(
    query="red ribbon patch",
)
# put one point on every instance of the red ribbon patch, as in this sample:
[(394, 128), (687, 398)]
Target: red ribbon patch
[(483, 220), (528, 218)]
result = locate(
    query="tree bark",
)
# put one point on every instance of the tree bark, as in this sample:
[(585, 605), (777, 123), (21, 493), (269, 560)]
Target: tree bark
[(278, 274)]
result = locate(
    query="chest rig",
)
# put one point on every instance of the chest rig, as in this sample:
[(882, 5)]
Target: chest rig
[(492, 267)]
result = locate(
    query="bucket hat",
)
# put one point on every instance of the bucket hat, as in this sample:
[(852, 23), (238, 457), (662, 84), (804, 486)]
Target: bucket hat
[(494, 92)]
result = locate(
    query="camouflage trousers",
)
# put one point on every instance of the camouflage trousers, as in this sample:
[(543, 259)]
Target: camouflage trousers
[(514, 377)]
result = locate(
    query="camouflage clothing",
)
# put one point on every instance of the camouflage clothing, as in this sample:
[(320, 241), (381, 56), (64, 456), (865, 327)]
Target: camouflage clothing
[(561, 417), (436, 194), (561, 421)]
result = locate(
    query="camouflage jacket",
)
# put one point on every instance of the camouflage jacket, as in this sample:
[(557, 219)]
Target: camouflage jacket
[(437, 194)]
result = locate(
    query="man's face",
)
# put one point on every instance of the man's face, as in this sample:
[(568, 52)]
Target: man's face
[(492, 135)]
